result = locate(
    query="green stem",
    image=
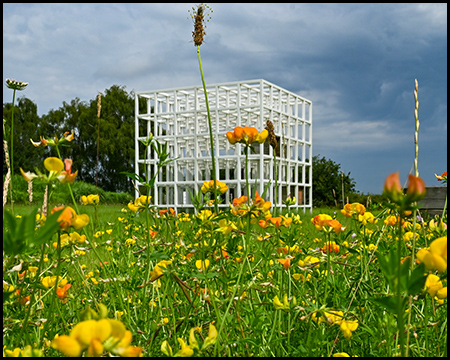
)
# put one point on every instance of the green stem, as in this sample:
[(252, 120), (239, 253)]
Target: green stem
[(32, 298), (327, 246), (400, 312), (216, 207), (68, 184), (12, 151), (246, 175), (222, 322), (51, 313), (276, 182)]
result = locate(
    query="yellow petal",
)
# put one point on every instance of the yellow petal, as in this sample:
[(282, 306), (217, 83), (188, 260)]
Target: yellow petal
[(67, 345), (166, 348), (53, 164)]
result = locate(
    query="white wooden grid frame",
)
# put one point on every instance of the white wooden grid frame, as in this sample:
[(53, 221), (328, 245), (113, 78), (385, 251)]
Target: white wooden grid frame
[(178, 117)]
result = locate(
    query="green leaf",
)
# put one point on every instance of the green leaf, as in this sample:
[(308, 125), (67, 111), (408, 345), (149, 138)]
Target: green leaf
[(388, 302), (15, 240), (417, 280), (46, 232), (133, 176), (388, 264)]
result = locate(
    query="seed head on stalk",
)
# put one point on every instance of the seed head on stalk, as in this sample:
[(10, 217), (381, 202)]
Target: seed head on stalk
[(199, 15), (272, 138)]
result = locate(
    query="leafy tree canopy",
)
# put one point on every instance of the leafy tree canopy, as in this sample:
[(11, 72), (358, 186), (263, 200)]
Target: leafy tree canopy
[(328, 176), (116, 137)]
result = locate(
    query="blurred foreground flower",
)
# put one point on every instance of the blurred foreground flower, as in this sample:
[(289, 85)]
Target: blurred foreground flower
[(415, 191), (97, 336), (70, 218), (436, 256)]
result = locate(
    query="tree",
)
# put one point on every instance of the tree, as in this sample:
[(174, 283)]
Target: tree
[(117, 127), (116, 151), (328, 176), (26, 119)]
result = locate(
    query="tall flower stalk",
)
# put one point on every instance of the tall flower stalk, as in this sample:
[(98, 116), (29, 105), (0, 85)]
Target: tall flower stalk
[(99, 107), (15, 86), (416, 191), (198, 35), (274, 143)]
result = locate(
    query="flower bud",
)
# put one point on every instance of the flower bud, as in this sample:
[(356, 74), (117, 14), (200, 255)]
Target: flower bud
[(416, 188), (392, 187)]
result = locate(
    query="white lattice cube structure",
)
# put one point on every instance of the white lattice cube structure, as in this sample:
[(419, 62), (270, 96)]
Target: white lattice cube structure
[(178, 117)]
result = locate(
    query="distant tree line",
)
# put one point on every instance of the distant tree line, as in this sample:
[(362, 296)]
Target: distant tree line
[(116, 145)]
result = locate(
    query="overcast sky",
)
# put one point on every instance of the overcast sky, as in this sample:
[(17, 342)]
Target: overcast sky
[(356, 62)]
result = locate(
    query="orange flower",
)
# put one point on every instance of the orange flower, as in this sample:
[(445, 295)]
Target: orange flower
[(280, 220), (169, 211), (353, 209), (336, 225), (62, 291), (330, 247), (442, 177), (261, 204), (240, 206), (67, 176), (247, 135), (242, 200), (320, 221), (285, 262), (69, 217), (236, 136), (264, 224), (23, 300)]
